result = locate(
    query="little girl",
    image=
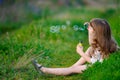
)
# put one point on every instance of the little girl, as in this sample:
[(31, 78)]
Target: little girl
[(101, 45)]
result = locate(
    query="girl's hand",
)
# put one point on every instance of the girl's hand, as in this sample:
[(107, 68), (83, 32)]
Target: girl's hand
[(79, 49)]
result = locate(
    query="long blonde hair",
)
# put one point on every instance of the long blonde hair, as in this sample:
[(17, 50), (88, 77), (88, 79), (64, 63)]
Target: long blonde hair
[(103, 38)]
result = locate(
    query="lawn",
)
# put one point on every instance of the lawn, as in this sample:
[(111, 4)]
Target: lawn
[(52, 41)]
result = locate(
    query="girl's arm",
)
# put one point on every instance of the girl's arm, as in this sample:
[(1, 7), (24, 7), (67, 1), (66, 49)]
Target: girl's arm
[(86, 55)]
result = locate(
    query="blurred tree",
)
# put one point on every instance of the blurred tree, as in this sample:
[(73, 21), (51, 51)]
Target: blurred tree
[(1, 1), (7, 2), (80, 2), (64, 2), (10, 2)]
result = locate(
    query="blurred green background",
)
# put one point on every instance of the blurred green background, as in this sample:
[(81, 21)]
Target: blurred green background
[(14, 13), (48, 31)]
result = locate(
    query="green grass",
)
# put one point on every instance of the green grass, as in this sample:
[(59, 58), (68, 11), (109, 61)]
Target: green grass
[(35, 41)]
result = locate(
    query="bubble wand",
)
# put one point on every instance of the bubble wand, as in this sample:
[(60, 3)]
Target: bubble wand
[(80, 43)]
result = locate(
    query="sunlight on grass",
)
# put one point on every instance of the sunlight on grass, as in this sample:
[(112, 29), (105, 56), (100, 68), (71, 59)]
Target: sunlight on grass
[(25, 59)]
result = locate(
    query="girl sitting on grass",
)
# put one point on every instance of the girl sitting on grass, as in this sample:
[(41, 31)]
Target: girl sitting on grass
[(101, 44)]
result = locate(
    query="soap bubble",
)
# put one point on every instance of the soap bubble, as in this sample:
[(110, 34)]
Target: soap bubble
[(68, 22), (63, 27), (75, 27), (55, 29), (81, 29), (52, 29)]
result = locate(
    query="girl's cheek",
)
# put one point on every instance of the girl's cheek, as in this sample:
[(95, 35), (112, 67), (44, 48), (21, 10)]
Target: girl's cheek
[(91, 29)]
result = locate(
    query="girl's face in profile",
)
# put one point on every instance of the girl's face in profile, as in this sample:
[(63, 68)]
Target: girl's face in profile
[(90, 29), (91, 33)]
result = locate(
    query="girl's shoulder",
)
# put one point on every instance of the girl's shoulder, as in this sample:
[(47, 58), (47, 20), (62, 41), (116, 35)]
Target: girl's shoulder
[(91, 50)]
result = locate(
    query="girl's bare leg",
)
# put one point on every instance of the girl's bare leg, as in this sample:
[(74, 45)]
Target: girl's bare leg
[(64, 71), (78, 67)]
